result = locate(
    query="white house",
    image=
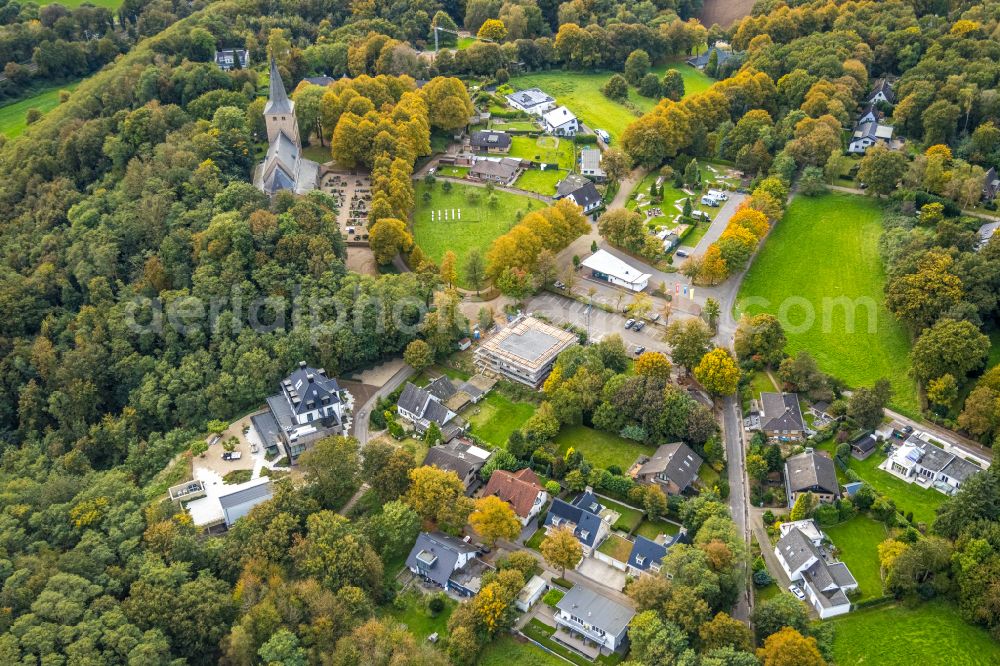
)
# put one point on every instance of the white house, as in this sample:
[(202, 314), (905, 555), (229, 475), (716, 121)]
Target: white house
[(532, 101), (825, 583), (605, 266), (580, 191), (530, 593), (585, 615), (213, 511), (881, 92), (920, 461), (867, 135), (561, 122), (807, 527)]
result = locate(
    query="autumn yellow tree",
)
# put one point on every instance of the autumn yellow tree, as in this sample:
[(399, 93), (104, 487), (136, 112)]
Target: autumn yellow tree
[(449, 273), (448, 102), (494, 519), (712, 267), (438, 496), (653, 364), (561, 549), (888, 551), (790, 648), (493, 30), (388, 238), (718, 372)]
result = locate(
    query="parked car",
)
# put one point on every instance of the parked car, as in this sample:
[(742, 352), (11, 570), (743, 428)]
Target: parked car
[(797, 591), (707, 200), (718, 194), (681, 253), (639, 325), (655, 316), (604, 136), (700, 215), (639, 350), (629, 323), (558, 284), (231, 455)]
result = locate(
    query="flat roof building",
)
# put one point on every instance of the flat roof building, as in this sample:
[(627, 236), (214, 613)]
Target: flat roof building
[(525, 350), (605, 266)]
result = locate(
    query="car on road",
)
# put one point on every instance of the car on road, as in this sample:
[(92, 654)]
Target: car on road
[(604, 136), (629, 323), (639, 350), (655, 316), (639, 325), (797, 591), (681, 253), (231, 455)]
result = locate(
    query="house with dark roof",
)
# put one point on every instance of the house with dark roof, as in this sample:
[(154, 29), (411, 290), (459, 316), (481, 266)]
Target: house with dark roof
[(460, 456), (582, 517), (238, 502), (991, 184), (864, 446), (811, 472), (673, 467), (580, 191), (870, 114), (502, 171), (284, 167), (322, 81), (310, 406), (881, 92), (532, 101), (228, 59), (422, 406), (781, 416), (825, 582), (647, 555), (521, 489), (490, 141), (585, 615), (921, 461), (700, 61), (447, 562)]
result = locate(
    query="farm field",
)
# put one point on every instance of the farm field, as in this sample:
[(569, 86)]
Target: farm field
[(901, 636), (601, 449), (480, 223), (548, 149), (496, 416), (542, 182), (823, 254), (857, 541), (12, 116)]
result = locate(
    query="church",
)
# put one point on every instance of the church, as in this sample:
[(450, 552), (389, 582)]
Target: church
[(284, 167)]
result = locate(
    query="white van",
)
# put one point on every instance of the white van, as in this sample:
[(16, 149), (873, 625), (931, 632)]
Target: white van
[(718, 194), (709, 200)]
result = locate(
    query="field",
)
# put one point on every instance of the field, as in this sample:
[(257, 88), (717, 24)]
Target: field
[(601, 449), (547, 149), (480, 223), (930, 633), (543, 182), (496, 416), (12, 116), (695, 81), (822, 255), (858, 540)]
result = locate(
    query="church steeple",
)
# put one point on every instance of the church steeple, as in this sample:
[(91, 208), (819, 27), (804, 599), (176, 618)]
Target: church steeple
[(278, 101), (279, 112)]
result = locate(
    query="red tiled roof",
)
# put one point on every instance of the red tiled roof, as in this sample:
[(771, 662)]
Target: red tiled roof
[(519, 489)]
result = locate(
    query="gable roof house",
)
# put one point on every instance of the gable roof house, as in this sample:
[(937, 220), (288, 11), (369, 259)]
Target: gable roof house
[(647, 555), (870, 114), (490, 141), (521, 489), (607, 267), (227, 59), (811, 472), (532, 101), (991, 184), (580, 190), (881, 92), (447, 562), (700, 61), (867, 135), (461, 457), (422, 406), (825, 584), (284, 167), (503, 171), (673, 467), (590, 163), (309, 406), (583, 517), (525, 350), (585, 615), (560, 122), (781, 416), (864, 446)]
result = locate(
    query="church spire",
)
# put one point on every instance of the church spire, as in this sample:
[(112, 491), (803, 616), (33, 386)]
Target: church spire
[(278, 101)]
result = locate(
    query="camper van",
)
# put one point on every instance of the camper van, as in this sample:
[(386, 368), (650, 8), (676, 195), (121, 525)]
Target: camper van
[(718, 194), (709, 200)]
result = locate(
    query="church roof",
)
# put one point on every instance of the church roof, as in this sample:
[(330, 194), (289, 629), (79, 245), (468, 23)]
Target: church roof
[(278, 101)]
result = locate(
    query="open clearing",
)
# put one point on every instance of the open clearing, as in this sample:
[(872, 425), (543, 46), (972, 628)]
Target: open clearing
[(480, 223), (601, 449), (818, 270), (858, 540), (695, 81), (12, 116), (929, 633), (496, 416), (542, 182), (547, 149)]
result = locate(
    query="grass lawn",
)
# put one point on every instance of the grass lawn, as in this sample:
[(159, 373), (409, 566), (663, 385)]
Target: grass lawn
[(857, 541), (507, 650), (695, 81), (496, 416), (654, 528), (548, 149), (416, 617), (929, 633), (616, 547), (542, 633), (601, 449), (994, 357), (317, 153), (480, 223), (12, 116), (553, 596), (628, 519), (826, 248), (543, 182), (465, 42), (452, 171), (708, 476), (764, 593), (514, 125), (760, 382), (536, 539)]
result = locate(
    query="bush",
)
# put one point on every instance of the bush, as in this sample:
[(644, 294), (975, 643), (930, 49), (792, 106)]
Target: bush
[(435, 605), (585, 139), (762, 578), (769, 517), (562, 582)]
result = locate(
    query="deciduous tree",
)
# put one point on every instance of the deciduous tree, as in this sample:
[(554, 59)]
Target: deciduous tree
[(560, 548), (494, 519), (718, 372)]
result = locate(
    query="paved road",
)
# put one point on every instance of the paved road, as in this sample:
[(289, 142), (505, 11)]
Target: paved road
[(720, 222), (732, 426), (362, 413)]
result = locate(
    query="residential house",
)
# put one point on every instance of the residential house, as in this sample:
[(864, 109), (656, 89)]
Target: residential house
[(869, 114), (530, 593), (560, 122), (322, 81), (524, 351), (490, 141), (811, 472), (807, 527), (647, 556), (781, 416), (219, 512), (309, 406), (521, 489), (532, 101), (284, 167), (593, 618), (867, 135), (700, 61), (919, 460), (422, 406), (991, 184), (501, 171), (590, 164), (580, 190), (825, 583), (462, 457), (864, 446), (673, 468), (447, 562), (985, 233), (583, 517), (227, 59), (607, 267), (881, 92)]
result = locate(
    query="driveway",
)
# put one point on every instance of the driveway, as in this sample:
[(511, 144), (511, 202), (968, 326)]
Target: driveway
[(362, 412), (720, 222), (601, 573)]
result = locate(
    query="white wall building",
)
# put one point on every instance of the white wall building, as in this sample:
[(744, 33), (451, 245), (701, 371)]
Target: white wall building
[(561, 122), (532, 101), (825, 583), (605, 266)]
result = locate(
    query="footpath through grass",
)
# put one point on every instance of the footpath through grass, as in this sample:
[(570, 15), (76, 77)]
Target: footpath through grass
[(929, 633), (820, 273), (13, 116), (479, 223)]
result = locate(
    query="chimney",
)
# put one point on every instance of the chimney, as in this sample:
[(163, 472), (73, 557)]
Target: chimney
[(311, 377), (588, 489), (302, 364)]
